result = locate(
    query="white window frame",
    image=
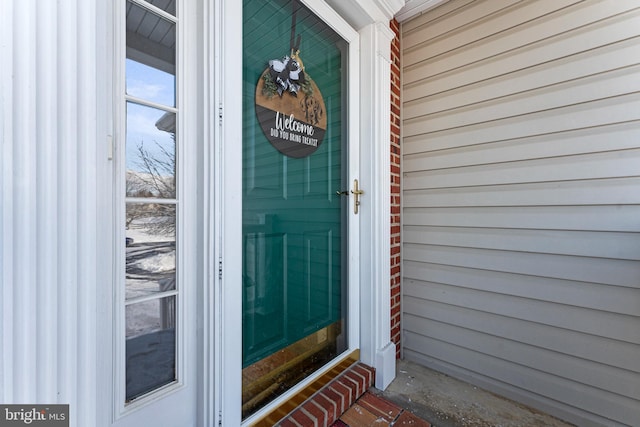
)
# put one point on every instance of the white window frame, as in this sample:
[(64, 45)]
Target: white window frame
[(186, 263)]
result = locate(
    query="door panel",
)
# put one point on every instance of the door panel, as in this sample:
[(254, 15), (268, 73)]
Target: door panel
[(294, 223), (265, 289)]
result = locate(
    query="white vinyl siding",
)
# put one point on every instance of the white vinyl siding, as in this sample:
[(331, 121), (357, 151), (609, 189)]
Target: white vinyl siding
[(48, 204), (521, 201)]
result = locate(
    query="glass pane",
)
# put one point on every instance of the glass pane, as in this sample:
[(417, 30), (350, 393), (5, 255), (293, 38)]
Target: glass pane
[(151, 345), (294, 232), (151, 56), (151, 249), (150, 152), (150, 84)]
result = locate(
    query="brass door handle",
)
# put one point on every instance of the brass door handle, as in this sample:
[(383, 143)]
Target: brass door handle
[(356, 193)]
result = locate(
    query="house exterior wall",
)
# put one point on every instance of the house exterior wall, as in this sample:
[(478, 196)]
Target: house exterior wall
[(521, 146)]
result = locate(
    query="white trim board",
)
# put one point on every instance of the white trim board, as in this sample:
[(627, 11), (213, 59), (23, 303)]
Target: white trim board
[(416, 7)]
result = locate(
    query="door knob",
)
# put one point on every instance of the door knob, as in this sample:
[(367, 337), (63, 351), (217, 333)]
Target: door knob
[(357, 192)]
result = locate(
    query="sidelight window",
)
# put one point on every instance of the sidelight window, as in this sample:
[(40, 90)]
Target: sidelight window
[(151, 201)]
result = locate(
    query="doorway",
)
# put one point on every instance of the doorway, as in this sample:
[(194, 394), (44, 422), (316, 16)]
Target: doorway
[(296, 198)]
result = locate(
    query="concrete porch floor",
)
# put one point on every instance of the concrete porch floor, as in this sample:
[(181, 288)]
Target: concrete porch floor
[(447, 402), (418, 397)]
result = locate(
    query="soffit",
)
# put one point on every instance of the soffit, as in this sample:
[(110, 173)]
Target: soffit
[(151, 40), (416, 7), (360, 13)]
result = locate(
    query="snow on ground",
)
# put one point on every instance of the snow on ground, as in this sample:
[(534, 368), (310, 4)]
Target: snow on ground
[(160, 263), (151, 266)]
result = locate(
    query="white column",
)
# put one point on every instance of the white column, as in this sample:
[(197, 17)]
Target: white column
[(48, 205), (377, 349)]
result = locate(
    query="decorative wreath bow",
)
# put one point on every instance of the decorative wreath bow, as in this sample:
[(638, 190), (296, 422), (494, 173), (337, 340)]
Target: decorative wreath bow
[(287, 73)]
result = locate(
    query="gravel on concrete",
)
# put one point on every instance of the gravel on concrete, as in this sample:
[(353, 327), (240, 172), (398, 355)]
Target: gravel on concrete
[(447, 402)]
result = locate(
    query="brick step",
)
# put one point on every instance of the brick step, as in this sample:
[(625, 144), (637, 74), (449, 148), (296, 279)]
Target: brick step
[(328, 404)]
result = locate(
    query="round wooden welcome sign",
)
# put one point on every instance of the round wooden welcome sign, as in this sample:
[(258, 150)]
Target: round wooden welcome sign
[(289, 105)]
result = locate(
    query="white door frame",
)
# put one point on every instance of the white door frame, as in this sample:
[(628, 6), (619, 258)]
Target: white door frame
[(377, 349), (225, 299), (370, 85)]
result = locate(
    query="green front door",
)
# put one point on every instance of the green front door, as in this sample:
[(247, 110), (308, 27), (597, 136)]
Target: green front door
[(294, 219)]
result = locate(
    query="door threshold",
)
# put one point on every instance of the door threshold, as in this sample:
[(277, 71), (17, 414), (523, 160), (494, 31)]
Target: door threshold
[(287, 407)]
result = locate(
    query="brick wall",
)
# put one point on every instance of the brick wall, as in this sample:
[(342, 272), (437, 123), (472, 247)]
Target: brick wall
[(395, 187)]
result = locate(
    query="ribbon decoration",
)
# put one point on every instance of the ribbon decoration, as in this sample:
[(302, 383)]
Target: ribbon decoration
[(288, 73)]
